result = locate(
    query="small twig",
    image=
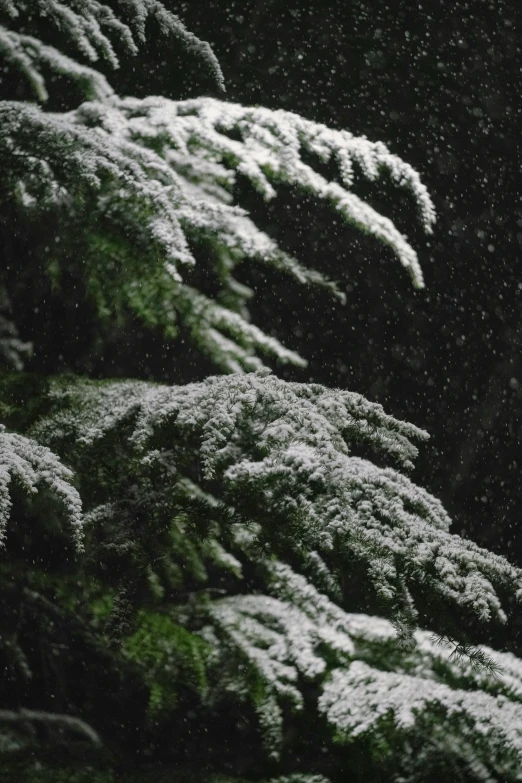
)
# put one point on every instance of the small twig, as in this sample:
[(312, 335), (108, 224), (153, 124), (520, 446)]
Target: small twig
[(64, 721)]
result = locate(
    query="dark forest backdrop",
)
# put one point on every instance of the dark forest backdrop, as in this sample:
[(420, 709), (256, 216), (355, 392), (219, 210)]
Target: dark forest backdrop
[(440, 84)]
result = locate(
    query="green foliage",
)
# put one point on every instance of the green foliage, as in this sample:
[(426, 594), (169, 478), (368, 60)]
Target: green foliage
[(205, 615), (195, 497), (169, 656)]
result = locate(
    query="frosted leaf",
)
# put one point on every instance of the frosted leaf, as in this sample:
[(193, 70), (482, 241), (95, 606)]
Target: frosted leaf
[(270, 717), (422, 689), (270, 151), (93, 27), (30, 464), (279, 461), (276, 640), (214, 550), (380, 517), (162, 174), (376, 639), (282, 455), (363, 700), (27, 54)]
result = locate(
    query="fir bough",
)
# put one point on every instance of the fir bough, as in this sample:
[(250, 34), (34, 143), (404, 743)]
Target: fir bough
[(225, 480), (237, 531)]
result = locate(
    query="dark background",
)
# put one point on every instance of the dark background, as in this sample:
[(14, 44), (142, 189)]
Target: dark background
[(440, 84)]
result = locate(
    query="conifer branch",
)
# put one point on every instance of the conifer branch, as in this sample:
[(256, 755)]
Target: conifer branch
[(95, 29)]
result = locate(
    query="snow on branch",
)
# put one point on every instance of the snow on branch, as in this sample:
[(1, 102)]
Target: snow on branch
[(368, 684), (269, 151), (159, 176), (375, 639), (27, 54), (93, 27), (272, 468), (362, 700), (274, 643), (30, 464), (283, 457)]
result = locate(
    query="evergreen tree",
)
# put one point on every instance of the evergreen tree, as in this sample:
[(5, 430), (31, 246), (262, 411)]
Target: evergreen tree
[(195, 575)]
